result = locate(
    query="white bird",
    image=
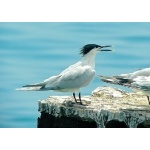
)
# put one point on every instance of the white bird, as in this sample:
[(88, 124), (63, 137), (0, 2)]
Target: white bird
[(75, 76), (138, 80)]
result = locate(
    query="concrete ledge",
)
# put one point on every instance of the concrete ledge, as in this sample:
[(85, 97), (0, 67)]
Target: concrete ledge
[(106, 108)]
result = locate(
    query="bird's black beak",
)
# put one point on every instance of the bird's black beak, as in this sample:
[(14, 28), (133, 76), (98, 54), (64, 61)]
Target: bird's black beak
[(101, 48)]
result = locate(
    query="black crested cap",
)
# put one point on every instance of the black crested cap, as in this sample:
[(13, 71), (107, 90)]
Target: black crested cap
[(87, 48)]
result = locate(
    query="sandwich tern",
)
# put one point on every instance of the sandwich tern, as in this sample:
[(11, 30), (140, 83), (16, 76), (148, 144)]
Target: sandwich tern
[(75, 76), (138, 80)]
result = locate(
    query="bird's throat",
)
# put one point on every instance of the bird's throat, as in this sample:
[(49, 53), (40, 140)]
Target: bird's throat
[(89, 60)]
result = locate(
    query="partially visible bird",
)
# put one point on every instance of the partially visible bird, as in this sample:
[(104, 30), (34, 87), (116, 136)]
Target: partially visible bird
[(138, 80), (75, 76)]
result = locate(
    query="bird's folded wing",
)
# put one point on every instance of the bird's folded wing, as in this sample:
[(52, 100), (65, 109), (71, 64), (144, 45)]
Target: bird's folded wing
[(143, 72), (76, 78), (141, 82)]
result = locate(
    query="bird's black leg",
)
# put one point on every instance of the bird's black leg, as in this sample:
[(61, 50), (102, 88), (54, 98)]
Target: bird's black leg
[(75, 97), (80, 99), (148, 100)]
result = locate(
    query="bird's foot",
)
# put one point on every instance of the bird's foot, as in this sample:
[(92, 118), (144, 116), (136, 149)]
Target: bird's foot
[(82, 103), (79, 102)]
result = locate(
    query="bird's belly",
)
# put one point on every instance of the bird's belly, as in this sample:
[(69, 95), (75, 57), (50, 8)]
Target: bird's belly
[(68, 90), (88, 80)]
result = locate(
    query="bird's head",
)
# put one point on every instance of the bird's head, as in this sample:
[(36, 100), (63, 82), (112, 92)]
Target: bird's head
[(94, 49)]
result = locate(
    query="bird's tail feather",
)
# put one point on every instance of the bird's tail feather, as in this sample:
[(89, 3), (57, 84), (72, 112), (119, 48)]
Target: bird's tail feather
[(32, 87), (108, 79), (37, 88), (119, 80)]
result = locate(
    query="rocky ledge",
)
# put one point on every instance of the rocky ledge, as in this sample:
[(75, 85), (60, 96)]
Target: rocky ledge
[(107, 107)]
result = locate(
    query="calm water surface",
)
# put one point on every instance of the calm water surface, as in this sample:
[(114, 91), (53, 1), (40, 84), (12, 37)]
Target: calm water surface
[(32, 52)]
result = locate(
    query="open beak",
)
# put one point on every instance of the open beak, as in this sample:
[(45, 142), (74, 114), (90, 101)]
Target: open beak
[(101, 48)]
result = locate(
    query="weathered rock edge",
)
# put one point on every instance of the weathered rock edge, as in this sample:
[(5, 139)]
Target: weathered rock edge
[(104, 106)]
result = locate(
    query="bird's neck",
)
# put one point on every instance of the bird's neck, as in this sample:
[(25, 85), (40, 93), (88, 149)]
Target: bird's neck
[(89, 60)]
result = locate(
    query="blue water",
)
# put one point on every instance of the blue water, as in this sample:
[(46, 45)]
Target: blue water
[(32, 52)]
